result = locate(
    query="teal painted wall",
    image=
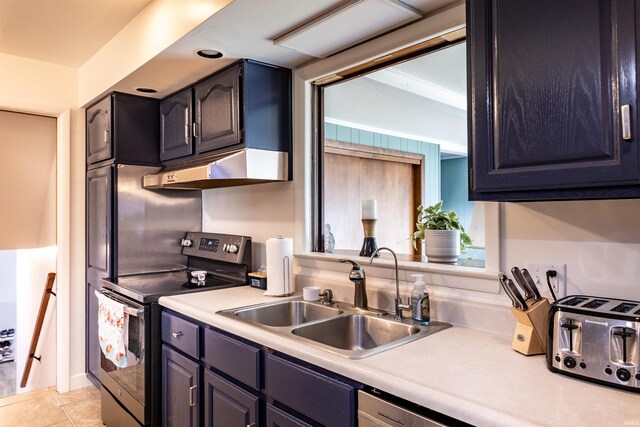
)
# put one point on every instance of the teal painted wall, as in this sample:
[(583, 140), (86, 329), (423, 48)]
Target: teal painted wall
[(430, 151), (455, 195), (454, 189)]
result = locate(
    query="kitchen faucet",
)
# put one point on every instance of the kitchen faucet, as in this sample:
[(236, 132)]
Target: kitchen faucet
[(356, 275), (399, 306)]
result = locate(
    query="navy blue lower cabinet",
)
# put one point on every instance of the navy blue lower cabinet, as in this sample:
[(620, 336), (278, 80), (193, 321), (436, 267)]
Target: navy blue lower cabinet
[(238, 360), (213, 379), (227, 405), (181, 334), (181, 387), (278, 418), (317, 396)]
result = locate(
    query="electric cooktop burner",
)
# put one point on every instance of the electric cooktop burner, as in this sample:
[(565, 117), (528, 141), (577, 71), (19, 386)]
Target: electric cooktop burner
[(225, 258), (152, 286)]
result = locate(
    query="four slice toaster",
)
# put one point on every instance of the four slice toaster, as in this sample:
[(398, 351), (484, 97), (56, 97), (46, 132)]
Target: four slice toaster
[(596, 339)]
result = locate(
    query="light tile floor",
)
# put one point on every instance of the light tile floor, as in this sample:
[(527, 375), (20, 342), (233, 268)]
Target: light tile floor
[(47, 407), (7, 379)]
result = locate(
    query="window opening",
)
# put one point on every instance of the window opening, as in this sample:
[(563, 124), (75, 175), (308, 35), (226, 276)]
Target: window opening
[(397, 134)]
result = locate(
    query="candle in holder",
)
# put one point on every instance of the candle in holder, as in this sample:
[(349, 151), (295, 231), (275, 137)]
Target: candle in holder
[(369, 217), (369, 209)]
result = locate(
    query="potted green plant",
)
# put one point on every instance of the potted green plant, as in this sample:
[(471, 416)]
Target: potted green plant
[(442, 232)]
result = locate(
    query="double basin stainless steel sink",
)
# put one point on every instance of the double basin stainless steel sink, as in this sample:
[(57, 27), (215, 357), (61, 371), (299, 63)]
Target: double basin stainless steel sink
[(339, 328)]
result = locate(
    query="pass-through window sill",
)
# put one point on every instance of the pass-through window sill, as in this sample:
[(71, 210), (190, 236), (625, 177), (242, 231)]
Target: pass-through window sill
[(444, 275)]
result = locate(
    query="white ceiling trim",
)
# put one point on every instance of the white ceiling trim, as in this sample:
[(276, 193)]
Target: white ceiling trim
[(408, 83), (445, 146)]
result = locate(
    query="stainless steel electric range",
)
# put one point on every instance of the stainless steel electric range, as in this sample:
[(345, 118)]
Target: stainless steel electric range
[(131, 395)]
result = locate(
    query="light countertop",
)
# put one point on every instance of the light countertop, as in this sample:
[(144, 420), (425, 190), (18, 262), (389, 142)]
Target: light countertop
[(467, 374)]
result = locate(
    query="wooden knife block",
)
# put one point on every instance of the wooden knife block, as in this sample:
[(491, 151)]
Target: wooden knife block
[(530, 336)]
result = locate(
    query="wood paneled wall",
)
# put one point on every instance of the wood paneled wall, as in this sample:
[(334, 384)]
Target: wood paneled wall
[(354, 173)]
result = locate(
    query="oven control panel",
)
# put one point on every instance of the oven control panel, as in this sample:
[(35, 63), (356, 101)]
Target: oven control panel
[(210, 245), (220, 247)]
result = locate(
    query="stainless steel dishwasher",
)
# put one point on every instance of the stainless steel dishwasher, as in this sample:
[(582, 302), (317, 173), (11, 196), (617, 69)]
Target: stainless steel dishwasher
[(379, 409)]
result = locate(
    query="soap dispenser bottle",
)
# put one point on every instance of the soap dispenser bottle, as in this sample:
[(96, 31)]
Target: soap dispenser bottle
[(420, 309)]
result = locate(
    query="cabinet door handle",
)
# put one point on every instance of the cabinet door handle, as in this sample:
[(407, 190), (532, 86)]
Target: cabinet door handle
[(186, 125), (106, 136), (177, 334), (195, 130), (625, 114), (192, 400)]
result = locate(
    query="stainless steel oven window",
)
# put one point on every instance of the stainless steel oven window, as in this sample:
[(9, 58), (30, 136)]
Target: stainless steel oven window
[(130, 378), (127, 384)]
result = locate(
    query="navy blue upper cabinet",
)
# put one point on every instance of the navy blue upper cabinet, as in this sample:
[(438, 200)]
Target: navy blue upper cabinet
[(123, 128), (218, 111), (175, 125), (246, 105), (552, 85), (99, 131)]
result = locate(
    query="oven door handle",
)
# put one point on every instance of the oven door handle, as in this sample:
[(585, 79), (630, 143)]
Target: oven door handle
[(131, 311)]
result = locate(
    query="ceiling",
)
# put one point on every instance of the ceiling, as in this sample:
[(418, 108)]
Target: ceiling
[(69, 32), (64, 32), (243, 29)]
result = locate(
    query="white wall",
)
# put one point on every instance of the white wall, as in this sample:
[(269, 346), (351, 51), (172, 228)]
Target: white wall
[(160, 24), (598, 240), (260, 211), (32, 86), (32, 267)]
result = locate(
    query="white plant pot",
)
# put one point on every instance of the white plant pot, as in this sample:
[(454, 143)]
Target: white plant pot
[(442, 245)]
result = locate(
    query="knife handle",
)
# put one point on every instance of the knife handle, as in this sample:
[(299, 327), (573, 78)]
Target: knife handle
[(517, 274), (531, 283), (502, 278), (512, 292), (520, 301)]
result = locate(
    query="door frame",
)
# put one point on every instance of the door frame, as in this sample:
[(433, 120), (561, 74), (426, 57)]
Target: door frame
[(63, 229)]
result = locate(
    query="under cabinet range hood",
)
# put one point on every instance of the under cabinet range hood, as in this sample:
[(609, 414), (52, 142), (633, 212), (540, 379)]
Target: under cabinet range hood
[(243, 167)]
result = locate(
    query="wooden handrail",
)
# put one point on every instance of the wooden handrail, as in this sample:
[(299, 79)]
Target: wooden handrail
[(44, 303)]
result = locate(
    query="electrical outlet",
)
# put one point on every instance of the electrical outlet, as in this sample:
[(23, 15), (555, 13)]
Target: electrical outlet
[(538, 272)]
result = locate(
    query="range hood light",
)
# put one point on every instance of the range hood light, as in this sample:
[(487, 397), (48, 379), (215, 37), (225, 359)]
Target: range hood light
[(242, 167)]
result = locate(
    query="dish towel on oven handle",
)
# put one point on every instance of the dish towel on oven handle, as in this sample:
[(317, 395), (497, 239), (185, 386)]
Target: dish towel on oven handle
[(112, 330)]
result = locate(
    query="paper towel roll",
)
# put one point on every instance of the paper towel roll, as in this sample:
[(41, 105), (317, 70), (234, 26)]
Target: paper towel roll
[(279, 266)]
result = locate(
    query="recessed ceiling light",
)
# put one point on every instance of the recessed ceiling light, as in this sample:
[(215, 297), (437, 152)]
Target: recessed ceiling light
[(146, 90), (209, 53)]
